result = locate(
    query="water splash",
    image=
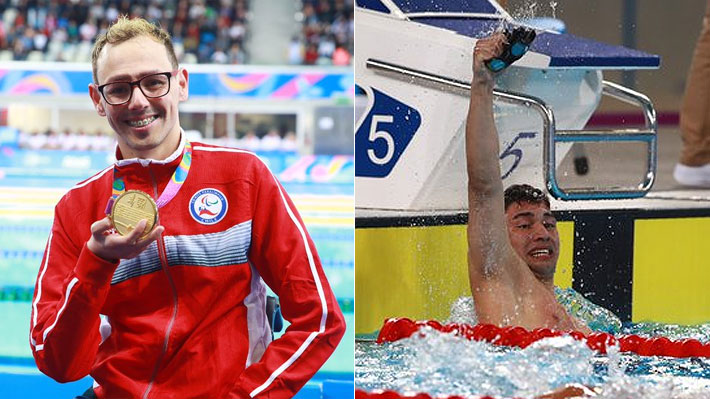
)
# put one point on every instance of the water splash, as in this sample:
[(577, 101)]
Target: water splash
[(526, 10), (462, 311), (671, 331), (532, 9), (447, 365), (443, 364), (596, 317)]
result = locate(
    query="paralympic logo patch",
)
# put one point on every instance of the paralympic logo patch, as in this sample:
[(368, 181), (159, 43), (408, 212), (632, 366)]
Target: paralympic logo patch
[(208, 206)]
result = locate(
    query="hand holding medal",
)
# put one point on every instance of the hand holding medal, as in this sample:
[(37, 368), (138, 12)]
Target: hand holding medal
[(130, 208), (134, 216), (113, 247)]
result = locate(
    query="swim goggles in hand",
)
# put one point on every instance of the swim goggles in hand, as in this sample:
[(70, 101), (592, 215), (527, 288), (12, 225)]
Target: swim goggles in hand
[(518, 43)]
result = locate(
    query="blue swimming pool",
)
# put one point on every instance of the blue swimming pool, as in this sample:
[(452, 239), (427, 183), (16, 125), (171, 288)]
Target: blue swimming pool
[(445, 364), (442, 364)]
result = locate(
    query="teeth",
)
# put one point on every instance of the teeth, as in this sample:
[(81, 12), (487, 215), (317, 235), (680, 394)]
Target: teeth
[(142, 122), (540, 252)]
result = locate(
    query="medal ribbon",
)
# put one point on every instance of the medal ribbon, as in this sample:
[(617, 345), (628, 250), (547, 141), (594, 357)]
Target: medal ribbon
[(176, 181)]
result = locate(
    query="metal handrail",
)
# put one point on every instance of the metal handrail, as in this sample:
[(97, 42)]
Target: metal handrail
[(647, 135), (552, 136)]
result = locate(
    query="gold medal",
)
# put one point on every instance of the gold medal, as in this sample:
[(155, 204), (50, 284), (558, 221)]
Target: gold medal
[(130, 208)]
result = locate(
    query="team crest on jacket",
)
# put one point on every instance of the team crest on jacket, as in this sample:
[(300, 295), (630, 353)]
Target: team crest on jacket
[(208, 206)]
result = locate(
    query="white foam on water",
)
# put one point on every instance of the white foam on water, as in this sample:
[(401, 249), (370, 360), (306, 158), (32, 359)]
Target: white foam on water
[(443, 364), (655, 387)]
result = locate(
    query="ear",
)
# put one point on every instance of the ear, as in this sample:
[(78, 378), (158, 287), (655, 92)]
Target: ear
[(183, 80), (96, 98)]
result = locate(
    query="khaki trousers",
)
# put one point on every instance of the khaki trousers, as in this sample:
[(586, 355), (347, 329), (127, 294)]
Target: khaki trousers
[(695, 110)]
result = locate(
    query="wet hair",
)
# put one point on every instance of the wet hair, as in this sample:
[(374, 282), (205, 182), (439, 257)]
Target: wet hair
[(125, 29), (525, 193)]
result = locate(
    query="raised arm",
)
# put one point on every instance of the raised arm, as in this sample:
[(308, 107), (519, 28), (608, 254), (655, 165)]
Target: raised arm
[(481, 136), (492, 262)]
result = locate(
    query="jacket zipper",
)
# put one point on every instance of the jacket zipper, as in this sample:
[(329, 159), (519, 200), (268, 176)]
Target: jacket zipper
[(164, 265)]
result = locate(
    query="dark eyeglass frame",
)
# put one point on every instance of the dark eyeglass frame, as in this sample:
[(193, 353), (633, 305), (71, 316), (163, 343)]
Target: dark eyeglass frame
[(138, 83)]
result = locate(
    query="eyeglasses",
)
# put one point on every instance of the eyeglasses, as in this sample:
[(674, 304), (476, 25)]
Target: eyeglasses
[(152, 86)]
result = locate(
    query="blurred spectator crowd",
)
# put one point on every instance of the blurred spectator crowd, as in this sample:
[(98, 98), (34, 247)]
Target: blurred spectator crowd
[(64, 30), (271, 141), (326, 36), (204, 31), (67, 141), (99, 141)]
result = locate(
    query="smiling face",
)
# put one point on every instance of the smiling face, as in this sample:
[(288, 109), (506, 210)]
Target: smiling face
[(532, 230), (145, 127)]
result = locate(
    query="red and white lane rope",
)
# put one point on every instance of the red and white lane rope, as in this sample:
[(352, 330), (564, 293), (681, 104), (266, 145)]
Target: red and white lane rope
[(360, 394), (399, 328)]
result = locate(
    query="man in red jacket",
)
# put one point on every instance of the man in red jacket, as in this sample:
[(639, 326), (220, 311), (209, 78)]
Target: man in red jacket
[(167, 299)]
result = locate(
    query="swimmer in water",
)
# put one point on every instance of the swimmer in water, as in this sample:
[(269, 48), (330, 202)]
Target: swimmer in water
[(512, 235)]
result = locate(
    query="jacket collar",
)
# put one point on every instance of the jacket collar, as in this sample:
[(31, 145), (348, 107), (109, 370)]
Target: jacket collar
[(144, 162)]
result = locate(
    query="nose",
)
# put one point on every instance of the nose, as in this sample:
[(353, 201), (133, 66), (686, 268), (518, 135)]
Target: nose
[(540, 232), (138, 99)]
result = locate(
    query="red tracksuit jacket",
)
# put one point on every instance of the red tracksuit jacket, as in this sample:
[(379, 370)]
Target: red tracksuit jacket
[(185, 319)]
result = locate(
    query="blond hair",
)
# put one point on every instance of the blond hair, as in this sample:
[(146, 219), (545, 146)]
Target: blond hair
[(125, 29)]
